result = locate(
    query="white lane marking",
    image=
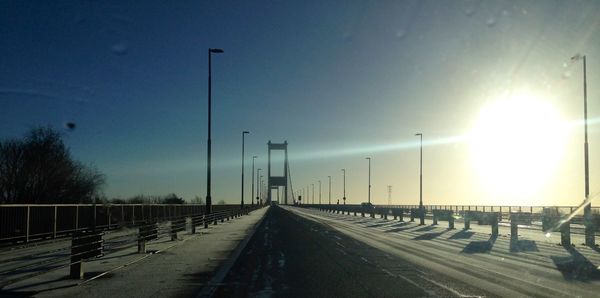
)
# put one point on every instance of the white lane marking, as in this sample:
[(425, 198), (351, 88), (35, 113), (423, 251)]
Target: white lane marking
[(453, 291), (342, 251)]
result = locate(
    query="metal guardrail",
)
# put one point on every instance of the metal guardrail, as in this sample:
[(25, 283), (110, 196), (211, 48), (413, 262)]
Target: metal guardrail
[(27, 223)]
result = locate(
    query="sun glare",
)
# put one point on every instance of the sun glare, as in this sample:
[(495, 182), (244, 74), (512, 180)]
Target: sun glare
[(516, 145)]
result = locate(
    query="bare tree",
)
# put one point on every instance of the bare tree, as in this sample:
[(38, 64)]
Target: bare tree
[(197, 200), (39, 169)]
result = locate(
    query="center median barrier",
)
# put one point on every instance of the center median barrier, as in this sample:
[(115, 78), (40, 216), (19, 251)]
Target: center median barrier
[(416, 213), (482, 218), (445, 215), (516, 219), (552, 221), (398, 212), (382, 212)]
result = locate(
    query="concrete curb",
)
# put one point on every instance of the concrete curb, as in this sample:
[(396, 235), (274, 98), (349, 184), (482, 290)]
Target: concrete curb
[(209, 289)]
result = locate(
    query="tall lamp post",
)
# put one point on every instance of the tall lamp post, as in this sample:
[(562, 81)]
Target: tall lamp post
[(587, 210), (369, 197), (329, 189), (344, 175), (262, 190), (244, 133), (258, 185), (208, 163), (252, 195), (319, 192), (421, 211), (313, 193)]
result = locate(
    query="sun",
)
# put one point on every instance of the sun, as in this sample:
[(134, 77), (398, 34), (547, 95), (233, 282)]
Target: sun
[(516, 145)]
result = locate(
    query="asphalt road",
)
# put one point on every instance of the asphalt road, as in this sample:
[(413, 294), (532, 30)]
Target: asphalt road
[(293, 256)]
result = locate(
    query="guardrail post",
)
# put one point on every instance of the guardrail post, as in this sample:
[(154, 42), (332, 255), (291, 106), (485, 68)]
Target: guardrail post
[(565, 234), (108, 215), (27, 226), (146, 233), (435, 219), (514, 231), (451, 223), (84, 245), (77, 218), (54, 226), (193, 225), (177, 225)]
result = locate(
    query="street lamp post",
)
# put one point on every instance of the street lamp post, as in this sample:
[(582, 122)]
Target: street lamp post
[(369, 197), (244, 133), (421, 211), (344, 175), (258, 191), (252, 195), (587, 210), (313, 193), (208, 163), (262, 190), (319, 192), (329, 189)]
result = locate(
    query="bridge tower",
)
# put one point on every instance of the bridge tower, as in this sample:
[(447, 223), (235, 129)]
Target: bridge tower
[(276, 181)]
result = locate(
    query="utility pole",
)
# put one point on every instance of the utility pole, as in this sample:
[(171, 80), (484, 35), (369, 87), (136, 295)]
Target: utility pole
[(389, 195)]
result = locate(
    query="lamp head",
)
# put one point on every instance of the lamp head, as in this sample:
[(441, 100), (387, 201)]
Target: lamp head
[(217, 51), (577, 57)]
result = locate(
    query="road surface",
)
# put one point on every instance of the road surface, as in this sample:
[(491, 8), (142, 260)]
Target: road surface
[(291, 255)]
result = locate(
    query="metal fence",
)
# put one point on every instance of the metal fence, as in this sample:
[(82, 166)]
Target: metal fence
[(25, 223)]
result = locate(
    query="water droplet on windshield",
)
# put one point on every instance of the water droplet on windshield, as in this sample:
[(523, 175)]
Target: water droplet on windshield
[(548, 235), (566, 75), (400, 34), (491, 22), (70, 126), (120, 48), (469, 11)]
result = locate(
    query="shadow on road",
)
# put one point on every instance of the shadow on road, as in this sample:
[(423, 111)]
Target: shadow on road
[(425, 229), (378, 225), (576, 266), (462, 234), (429, 236), (480, 246), (523, 246)]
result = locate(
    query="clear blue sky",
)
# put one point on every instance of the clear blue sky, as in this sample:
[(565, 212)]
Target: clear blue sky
[(338, 81)]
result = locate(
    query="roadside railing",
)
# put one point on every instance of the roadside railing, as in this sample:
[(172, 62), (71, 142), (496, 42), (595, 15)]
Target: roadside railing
[(27, 223), (87, 244)]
